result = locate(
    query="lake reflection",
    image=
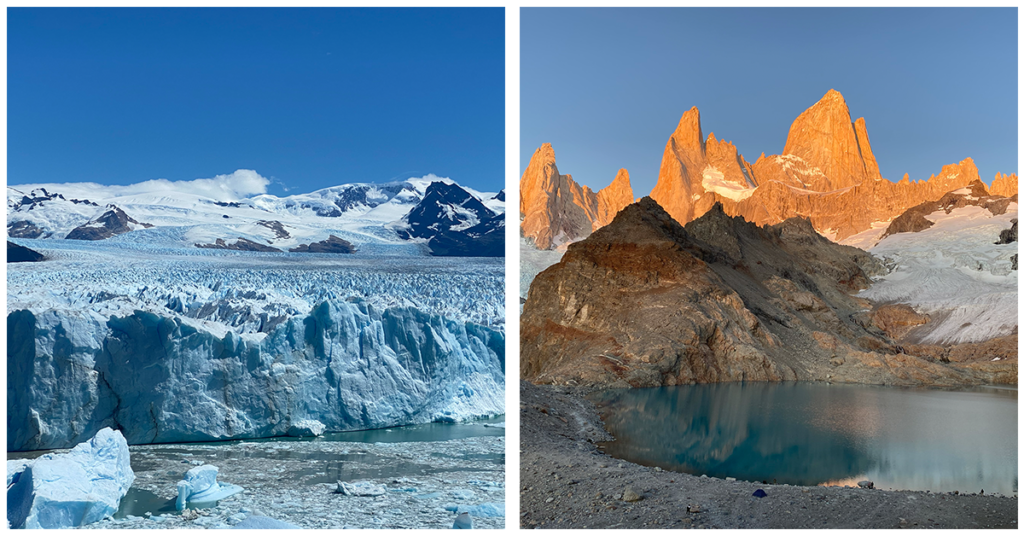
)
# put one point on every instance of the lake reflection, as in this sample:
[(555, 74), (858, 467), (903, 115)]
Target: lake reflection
[(810, 433)]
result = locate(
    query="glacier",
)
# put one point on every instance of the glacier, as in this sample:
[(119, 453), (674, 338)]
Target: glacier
[(160, 378), (68, 490), (170, 346), (953, 271)]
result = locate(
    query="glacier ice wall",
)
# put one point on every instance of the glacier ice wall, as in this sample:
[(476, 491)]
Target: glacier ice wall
[(162, 378)]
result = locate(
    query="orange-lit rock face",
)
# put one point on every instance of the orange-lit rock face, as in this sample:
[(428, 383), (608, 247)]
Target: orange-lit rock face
[(1005, 185), (556, 210), (825, 138), (827, 173), (612, 199)]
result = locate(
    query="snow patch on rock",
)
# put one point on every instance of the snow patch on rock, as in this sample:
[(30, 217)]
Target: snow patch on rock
[(714, 181)]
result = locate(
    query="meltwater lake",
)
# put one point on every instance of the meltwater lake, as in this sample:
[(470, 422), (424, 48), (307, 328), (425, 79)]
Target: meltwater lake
[(801, 433)]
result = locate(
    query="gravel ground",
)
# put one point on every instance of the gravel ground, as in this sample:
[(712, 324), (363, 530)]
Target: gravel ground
[(567, 483), (294, 481)]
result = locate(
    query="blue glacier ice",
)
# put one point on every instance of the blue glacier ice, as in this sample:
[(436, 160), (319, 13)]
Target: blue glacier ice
[(163, 377), (479, 510), (262, 522), (200, 486), (72, 489)]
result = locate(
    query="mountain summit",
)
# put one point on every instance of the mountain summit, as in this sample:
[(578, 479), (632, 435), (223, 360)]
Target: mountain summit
[(555, 209), (826, 173)]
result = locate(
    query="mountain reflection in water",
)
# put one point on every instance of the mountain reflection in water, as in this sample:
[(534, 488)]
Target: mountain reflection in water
[(812, 433)]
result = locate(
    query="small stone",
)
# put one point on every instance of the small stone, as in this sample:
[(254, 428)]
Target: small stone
[(657, 469), (549, 499), (631, 496), (730, 479), (693, 508), (866, 484)]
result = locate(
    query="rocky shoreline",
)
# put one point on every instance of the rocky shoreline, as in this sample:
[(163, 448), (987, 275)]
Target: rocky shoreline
[(566, 482)]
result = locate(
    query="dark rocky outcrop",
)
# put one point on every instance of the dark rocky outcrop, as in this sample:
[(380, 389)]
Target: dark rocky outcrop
[(443, 207), (242, 244), (275, 226), (1008, 236), (500, 195), (23, 229), (111, 223), (647, 302), (332, 244), (16, 253), (483, 240)]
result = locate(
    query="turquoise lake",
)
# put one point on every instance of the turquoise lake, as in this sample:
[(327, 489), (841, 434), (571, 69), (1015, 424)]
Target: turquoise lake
[(803, 433)]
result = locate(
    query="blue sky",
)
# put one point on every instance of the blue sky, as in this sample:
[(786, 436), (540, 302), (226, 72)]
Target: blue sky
[(606, 87), (307, 97)]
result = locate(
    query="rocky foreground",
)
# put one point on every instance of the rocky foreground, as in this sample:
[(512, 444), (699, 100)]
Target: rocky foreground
[(567, 483)]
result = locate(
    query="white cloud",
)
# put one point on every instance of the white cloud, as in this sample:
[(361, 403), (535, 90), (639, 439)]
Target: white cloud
[(231, 187)]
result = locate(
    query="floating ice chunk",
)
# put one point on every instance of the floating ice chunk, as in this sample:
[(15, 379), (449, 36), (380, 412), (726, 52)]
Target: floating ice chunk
[(200, 485), (73, 489), (361, 489), (462, 494), (463, 521), (306, 428), (261, 522), (479, 510)]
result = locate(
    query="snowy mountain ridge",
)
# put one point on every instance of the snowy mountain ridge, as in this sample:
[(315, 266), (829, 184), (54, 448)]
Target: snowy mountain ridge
[(358, 212)]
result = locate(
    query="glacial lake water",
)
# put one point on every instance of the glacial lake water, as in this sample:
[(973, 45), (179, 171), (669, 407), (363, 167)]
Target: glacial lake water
[(808, 434)]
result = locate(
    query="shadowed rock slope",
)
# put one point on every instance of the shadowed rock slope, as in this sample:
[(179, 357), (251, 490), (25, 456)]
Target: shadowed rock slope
[(646, 302)]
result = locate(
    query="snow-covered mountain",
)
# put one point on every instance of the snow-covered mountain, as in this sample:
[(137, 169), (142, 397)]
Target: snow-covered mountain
[(455, 223), (179, 217)]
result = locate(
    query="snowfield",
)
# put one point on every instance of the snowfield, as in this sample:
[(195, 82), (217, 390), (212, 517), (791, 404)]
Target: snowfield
[(954, 272)]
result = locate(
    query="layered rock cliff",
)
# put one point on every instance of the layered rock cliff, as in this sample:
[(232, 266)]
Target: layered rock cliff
[(647, 302), (556, 210)]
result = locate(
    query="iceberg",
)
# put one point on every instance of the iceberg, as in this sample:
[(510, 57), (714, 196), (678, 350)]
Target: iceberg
[(73, 489), (200, 486)]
